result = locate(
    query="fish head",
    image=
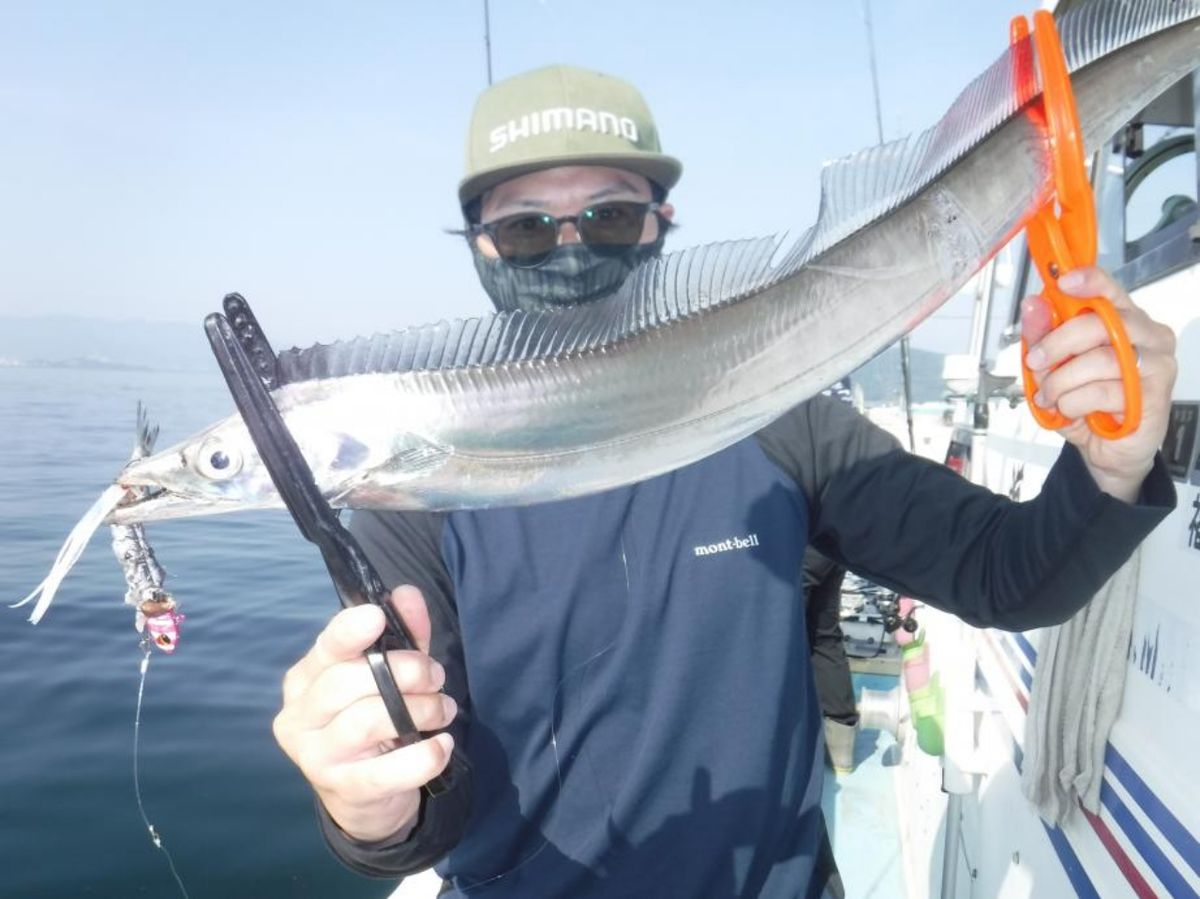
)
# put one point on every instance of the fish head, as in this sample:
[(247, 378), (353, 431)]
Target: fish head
[(216, 471)]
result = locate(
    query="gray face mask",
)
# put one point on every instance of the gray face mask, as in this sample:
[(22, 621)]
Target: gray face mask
[(574, 274)]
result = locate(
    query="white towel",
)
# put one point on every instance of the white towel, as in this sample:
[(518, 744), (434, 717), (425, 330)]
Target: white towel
[(1077, 687)]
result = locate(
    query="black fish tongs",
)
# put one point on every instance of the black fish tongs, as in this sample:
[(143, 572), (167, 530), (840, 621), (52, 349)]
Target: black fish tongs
[(251, 371)]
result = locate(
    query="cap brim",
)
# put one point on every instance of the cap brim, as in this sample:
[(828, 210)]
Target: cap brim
[(659, 168)]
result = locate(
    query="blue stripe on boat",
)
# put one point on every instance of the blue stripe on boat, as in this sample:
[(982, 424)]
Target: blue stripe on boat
[(1072, 866), (1176, 833), (1144, 844), (1022, 671), (1026, 647)]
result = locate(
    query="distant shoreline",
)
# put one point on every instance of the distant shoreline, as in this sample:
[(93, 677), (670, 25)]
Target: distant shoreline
[(86, 364)]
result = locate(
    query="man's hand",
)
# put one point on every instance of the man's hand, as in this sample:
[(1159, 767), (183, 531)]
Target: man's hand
[(1077, 373), (335, 727)]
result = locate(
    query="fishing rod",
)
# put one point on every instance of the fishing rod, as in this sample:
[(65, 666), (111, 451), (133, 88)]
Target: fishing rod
[(905, 361), (487, 39)]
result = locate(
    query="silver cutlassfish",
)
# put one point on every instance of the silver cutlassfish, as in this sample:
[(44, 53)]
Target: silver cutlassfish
[(699, 348)]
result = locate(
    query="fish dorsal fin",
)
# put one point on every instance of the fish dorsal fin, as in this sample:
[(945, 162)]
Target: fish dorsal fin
[(658, 292), (855, 192), (147, 434)]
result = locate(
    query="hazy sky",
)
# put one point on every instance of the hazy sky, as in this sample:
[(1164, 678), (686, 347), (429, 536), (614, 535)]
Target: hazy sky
[(157, 155)]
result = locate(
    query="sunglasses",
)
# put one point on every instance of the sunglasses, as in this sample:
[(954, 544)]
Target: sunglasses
[(528, 239)]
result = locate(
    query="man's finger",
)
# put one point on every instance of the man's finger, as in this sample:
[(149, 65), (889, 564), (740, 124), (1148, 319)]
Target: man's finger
[(1096, 365), (409, 602), (1087, 331), (1094, 396), (1035, 320), (341, 685), (405, 768), (1094, 282), (358, 730), (346, 637), (1074, 337)]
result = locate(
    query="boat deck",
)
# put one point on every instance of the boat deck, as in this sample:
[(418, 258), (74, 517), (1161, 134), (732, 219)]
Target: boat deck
[(861, 811)]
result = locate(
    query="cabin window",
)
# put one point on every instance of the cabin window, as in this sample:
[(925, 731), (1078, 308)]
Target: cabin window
[(1160, 188), (1152, 167)]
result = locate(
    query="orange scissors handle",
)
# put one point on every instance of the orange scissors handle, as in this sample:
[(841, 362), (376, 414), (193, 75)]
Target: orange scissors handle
[(1062, 240), (1102, 424)]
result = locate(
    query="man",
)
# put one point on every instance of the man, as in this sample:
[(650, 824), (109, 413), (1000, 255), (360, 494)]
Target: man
[(640, 718)]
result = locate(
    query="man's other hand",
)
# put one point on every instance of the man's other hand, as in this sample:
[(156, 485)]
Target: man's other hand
[(335, 727), (1077, 374)]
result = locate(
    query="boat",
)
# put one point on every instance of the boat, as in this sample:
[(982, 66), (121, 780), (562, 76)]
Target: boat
[(965, 827)]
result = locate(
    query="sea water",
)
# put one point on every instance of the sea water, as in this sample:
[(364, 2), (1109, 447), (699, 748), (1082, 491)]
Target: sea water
[(235, 814)]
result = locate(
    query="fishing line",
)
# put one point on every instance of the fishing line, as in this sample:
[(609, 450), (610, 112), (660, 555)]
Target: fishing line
[(572, 679), (557, 712), (155, 838)]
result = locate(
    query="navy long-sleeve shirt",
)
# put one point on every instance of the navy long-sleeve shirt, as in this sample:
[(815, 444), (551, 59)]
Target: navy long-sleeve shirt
[(632, 668)]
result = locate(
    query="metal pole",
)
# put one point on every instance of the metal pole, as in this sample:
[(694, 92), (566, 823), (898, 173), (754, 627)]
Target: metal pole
[(487, 39)]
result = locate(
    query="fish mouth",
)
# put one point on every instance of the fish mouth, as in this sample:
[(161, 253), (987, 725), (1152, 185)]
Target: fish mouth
[(155, 490), (149, 504), (142, 504)]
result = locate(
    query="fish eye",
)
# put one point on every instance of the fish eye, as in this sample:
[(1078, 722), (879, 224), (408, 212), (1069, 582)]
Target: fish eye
[(217, 461)]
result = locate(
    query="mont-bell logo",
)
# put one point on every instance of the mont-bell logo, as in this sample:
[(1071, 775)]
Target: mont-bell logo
[(725, 546)]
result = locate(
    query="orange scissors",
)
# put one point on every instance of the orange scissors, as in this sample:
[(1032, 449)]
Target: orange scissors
[(1061, 242)]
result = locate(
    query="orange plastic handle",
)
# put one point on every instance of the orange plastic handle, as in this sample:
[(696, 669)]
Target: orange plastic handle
[(1047, 242), (1062, 241), (1103, 424)]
